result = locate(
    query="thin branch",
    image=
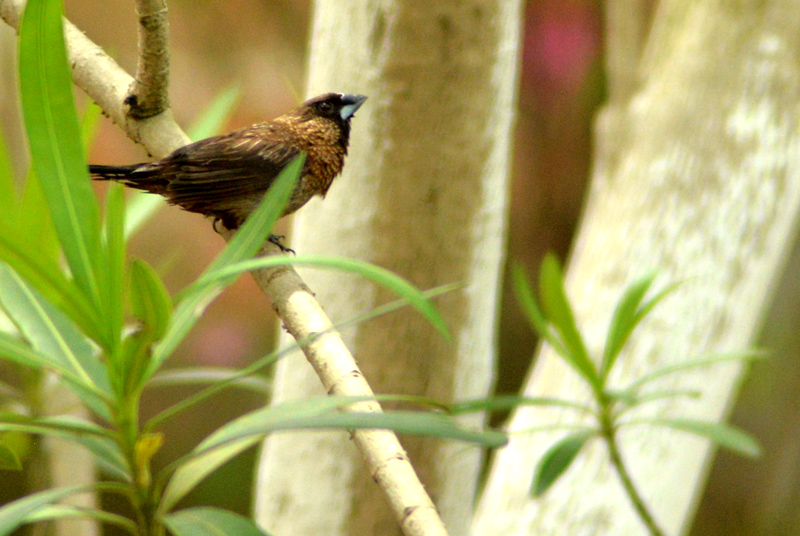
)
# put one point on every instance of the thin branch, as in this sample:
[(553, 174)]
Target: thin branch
[(148, 95), (388, 463), (107, 84)]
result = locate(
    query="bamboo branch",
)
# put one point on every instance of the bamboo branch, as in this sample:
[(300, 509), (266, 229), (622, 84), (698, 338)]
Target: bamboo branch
[(107, 84)]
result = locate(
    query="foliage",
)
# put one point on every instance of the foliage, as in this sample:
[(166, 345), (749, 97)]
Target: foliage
[(71, 319), (554, 321)]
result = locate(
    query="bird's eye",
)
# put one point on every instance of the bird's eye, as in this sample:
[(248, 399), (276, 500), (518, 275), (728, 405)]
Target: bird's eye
[(325, 107)]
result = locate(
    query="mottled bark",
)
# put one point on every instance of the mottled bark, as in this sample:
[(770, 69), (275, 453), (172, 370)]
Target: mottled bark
[(696, 177), (423, 194)]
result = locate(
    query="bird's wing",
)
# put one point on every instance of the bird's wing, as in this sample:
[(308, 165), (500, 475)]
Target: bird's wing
[(215, 171)]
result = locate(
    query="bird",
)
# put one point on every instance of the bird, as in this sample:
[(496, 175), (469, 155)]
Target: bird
[(227, 176)]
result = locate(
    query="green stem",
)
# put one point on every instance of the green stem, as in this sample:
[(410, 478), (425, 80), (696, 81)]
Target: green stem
[(609, 433)]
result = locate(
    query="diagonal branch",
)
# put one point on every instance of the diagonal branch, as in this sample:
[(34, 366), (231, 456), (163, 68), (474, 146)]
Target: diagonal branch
[(96, 73), (107, 84)]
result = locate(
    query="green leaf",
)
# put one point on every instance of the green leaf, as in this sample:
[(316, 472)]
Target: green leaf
[(195, 470), (558, 311), (98, 440), (55, 141), (255, 231), (205, 375), (557, 460), (9, 460), (141, 207), (150, 300), (524, 294), (632, 399), (50, 333), (58, 345), (648, 306), (324, 413), (244, 375), (63, 426), (724, 435), (499, 403), (8, 186), (14, 514), (623, 322), (214, 117), (384, 277), (90, 121), (208, 521), (108, 456), (18, 351), (113, 276), (34, 226), (44, 275), (244, 244), (702, 361), (61, 511)]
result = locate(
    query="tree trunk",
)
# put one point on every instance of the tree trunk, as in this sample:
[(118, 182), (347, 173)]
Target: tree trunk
[(696, 177), (424, 195)]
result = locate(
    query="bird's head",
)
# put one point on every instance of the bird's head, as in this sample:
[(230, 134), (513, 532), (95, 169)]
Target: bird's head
[(326, 116), (339, 107)]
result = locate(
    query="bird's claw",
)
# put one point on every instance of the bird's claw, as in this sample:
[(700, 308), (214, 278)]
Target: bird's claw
[(278, 241)]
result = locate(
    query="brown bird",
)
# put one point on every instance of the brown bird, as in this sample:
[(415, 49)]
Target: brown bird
[(227, 176)]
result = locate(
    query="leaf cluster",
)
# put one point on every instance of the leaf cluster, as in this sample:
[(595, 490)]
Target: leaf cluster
[(553, 320), (103, 324)]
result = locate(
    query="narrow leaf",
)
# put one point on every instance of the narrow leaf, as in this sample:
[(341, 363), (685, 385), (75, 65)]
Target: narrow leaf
[(61, 511), (208, 521), (384, 277), (90, 121), (150, 300), (724, 435), (524, 294), (9, 460), (558, 311), (648, 306), (14, 514), (141, 207), (195, 470), (557, 460), (43, 274), (323, 413), (499, 403), (214, 117), (55, 140), (35, 227), (8, 186), (113, 274), (49, 332), (702, 361), (205, 375), (623, 322)]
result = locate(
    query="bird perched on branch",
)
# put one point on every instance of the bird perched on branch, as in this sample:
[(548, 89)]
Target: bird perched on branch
[(227, 176)]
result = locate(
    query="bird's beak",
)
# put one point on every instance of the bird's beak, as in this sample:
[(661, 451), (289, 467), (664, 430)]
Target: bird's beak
[(351, 104)]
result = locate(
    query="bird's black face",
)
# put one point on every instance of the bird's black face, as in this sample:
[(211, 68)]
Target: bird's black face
[(337, 106)]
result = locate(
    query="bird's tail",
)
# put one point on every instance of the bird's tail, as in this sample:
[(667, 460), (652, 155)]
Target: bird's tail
[(141, 176), (112, 173)]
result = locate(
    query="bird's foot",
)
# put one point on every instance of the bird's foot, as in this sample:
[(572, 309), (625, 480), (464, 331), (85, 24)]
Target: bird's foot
[(278, 241)]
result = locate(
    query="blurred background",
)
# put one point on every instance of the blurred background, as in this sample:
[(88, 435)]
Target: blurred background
[(260, 47)]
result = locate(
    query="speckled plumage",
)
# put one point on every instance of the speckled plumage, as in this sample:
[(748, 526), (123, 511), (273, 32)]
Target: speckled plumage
[(227, 176)]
